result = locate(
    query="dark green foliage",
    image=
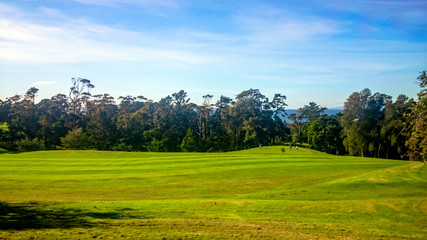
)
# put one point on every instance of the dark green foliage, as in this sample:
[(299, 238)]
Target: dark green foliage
[(189, 143), (311, 111), (26, 145), (394, 130), (370, 125), (101, 127), (417, 142), (53, 121), (123, 147), (362, 118), (153, 146), (324, 133), (169, 142), (76, 139)]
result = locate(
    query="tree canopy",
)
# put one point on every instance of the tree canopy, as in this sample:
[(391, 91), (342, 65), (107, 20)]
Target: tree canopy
[(371, 124)]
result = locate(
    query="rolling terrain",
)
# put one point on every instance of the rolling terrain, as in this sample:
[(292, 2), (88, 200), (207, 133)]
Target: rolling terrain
[(259, 193)]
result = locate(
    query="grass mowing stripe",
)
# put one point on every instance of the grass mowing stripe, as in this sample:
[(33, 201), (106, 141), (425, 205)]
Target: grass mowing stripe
[(256, 193)]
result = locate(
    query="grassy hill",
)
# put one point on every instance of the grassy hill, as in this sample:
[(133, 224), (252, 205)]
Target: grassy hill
[(258, 193)]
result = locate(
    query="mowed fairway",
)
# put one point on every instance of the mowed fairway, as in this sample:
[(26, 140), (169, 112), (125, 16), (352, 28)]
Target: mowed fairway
[(254, 194)]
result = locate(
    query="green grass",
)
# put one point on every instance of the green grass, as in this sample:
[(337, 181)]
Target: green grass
[(253, 194)]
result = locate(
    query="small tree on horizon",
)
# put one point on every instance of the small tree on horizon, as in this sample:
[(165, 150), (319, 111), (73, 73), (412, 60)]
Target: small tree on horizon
[(189, 143), (76, 139)]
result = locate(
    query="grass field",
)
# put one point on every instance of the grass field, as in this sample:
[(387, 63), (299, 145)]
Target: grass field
[(253, 194)]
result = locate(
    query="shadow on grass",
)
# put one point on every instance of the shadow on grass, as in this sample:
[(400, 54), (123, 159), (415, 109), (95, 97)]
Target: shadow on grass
[(32, 216)]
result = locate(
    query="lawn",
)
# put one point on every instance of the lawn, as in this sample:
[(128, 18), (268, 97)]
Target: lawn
[(259, 193)]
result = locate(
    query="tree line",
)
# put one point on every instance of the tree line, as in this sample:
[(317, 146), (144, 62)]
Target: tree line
[(370, 125)]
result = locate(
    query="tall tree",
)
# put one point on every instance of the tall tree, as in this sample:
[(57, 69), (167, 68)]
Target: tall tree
[(31, 94), (131, 120), (361, 121), (222, 125), (277, 106), (250, 104), (204, 113), (23, 116), (324, 133), (296, 126), (311, 111), (189, 143), (394, 132), (101, 126), (417, 143), (53, 120), (79, 94)]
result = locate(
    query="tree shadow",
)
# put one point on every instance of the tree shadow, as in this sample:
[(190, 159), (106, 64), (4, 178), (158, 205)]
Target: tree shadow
[(31, 216)]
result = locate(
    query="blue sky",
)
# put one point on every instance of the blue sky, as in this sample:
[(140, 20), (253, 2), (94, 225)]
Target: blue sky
[(318, 50)]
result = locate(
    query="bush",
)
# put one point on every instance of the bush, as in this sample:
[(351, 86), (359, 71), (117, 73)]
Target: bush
[(26, 145), (153, 146), (123, 147), (189, 143), (77, 140)]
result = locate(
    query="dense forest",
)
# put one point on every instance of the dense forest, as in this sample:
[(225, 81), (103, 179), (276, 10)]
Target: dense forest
[(371, 125)]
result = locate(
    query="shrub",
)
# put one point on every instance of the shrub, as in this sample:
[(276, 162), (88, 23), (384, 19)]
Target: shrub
[(189, 143), (77, 140), (123, 147), (26, 145)]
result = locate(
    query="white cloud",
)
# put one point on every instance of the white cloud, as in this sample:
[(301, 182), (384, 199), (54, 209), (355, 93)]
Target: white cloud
[(265, 46), (75, 41), (269, 26), (43, 83), (114, 3)]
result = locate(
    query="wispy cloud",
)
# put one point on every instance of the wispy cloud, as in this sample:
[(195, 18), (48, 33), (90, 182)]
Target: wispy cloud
[(43, 83), (149, 45), (76, 40), (115, 3), (269, 25)]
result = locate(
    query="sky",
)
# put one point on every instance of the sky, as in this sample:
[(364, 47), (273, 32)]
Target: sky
[(311, 51)]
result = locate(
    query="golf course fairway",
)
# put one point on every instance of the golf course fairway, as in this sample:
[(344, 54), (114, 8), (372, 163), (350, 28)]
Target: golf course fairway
[(260, 193)]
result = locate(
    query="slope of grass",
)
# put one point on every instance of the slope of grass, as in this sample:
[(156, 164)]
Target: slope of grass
[(258, 193)]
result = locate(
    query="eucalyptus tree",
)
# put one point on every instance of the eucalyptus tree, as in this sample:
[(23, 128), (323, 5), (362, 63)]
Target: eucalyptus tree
[(324, 134), (299, 120), (79, 94), (249, 103), (53, 120), (222, 125), (296, 126), (22, 116), (174, 115), (258, 118), (247, 113), (131, 121), (311, 111), (101, 124), (417, 143), (422, 80), (278, 108), (362, 117), (4, 110), (204, 113), (31, 94), (394, 131)]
